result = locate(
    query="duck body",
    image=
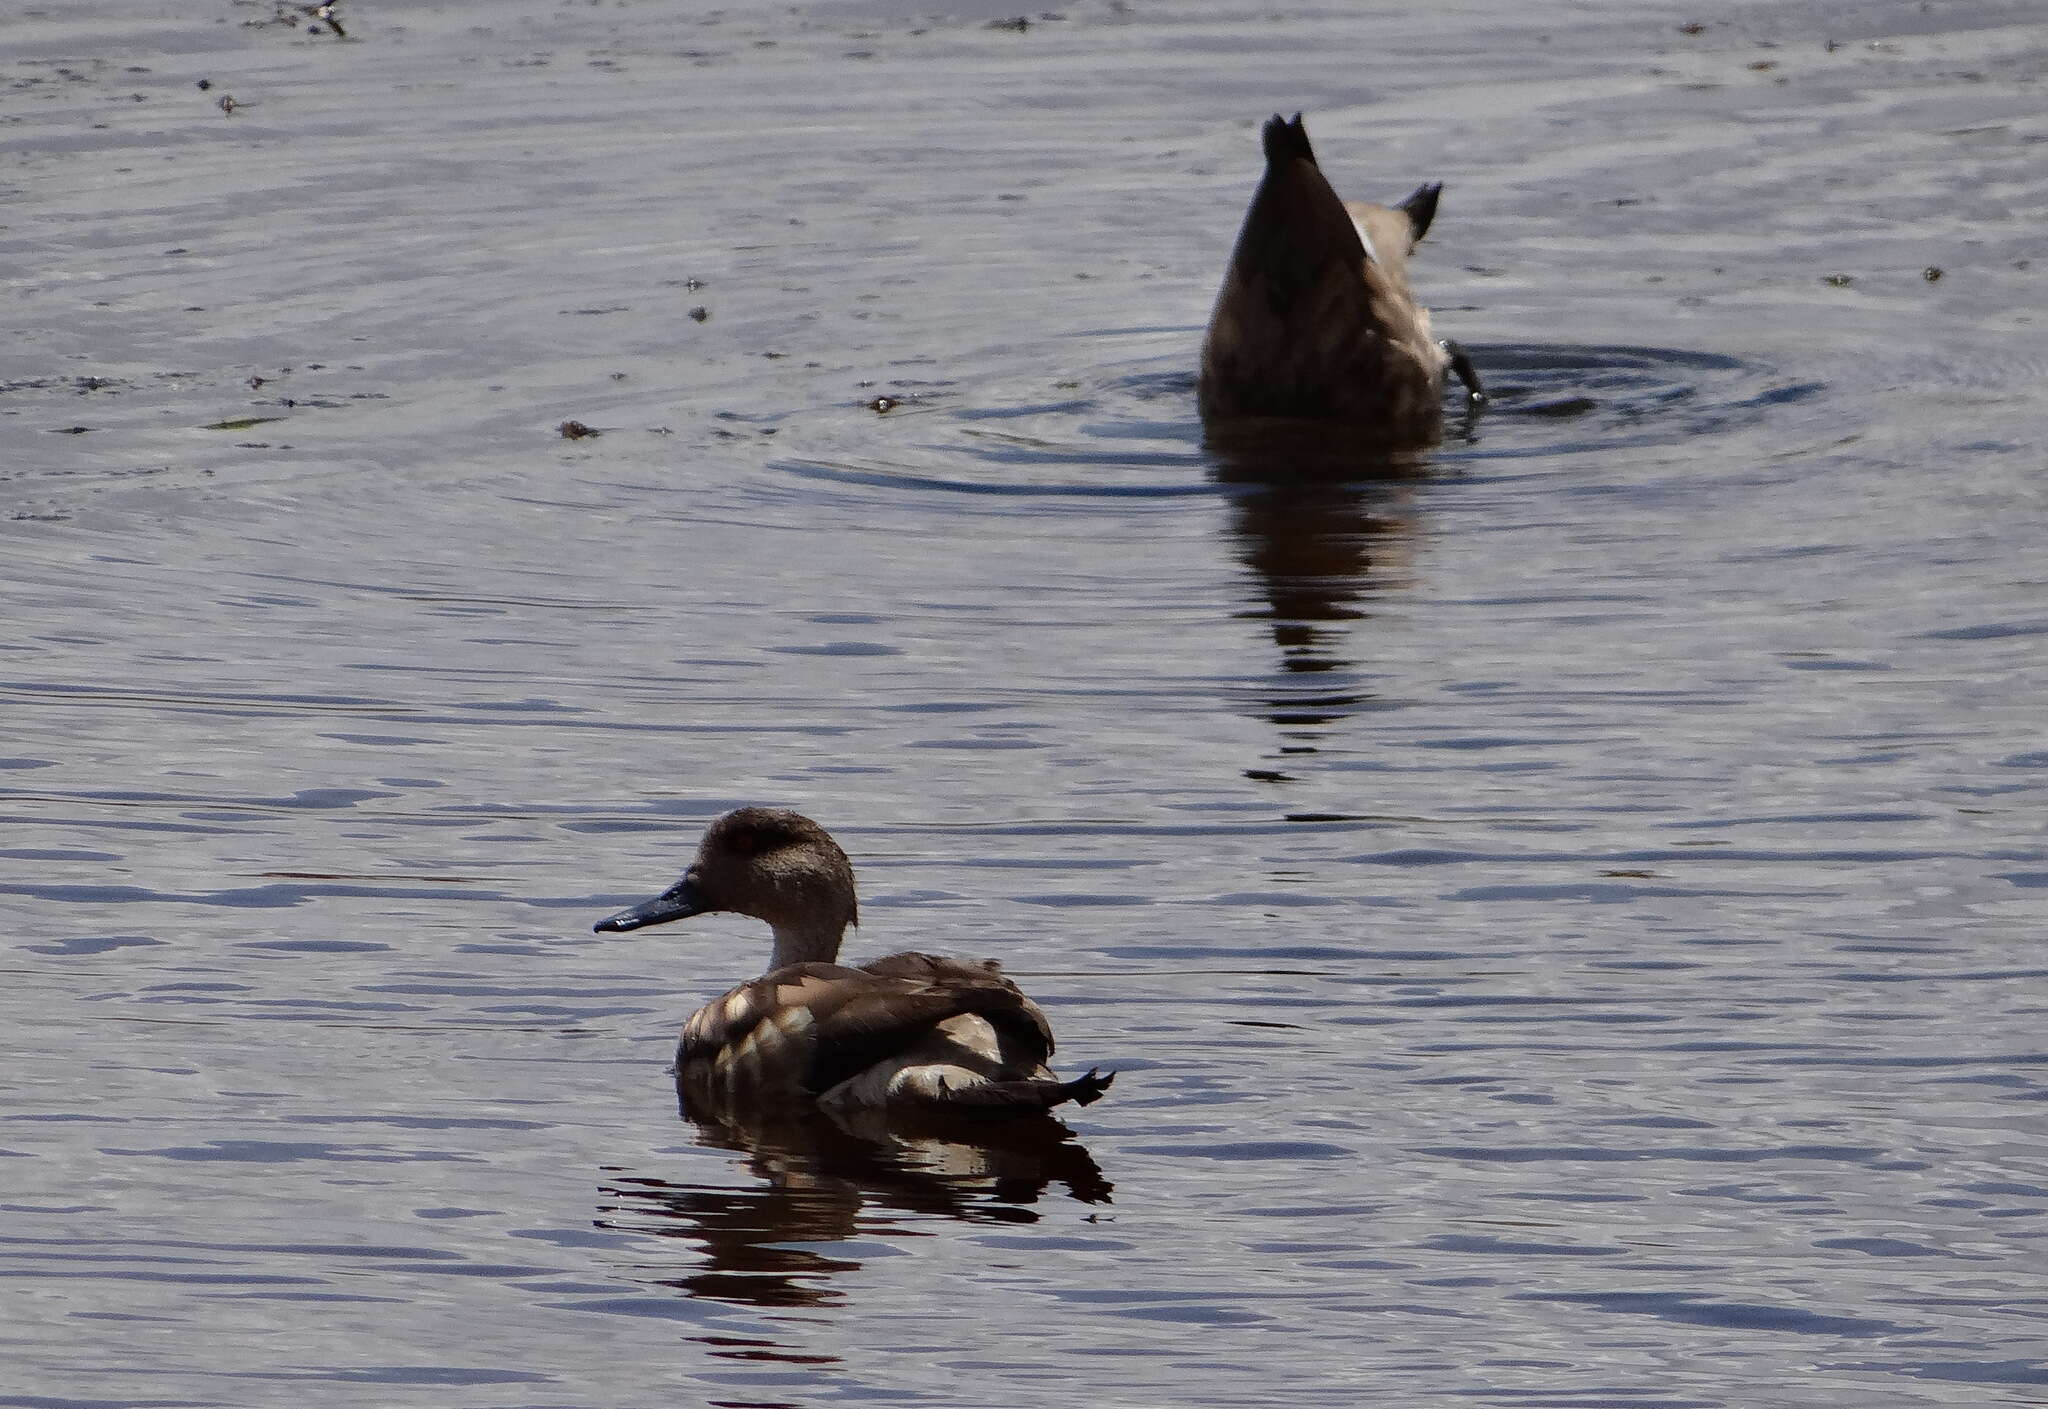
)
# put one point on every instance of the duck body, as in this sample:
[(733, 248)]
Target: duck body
[(1315, 320), (908, 1031)]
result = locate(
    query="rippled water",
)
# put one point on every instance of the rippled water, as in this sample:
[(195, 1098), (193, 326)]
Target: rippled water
[(1565, 909)]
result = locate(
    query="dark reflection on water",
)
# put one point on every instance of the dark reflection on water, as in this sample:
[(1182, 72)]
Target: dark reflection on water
[(824, 1179), (1323, 525)]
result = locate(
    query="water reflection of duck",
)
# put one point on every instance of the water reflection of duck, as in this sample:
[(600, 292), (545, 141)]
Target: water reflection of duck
[(903, 1032), (1319, 553), (1315, 320), (826, 1175), (1323, 529)]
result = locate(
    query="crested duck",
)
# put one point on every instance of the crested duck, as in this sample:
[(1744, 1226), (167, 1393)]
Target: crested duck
[(1315, 320), (908, 1031)]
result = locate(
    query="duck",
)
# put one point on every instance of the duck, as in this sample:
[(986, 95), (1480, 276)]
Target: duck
[(1315, 320), (909, 1032)]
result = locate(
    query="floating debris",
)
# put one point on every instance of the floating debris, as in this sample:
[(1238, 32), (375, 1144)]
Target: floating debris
[(699, 313), (576, 430), (1932, 272), (241, 423), (314, 16), (883, 405), (1016, 25), (1838, 281)]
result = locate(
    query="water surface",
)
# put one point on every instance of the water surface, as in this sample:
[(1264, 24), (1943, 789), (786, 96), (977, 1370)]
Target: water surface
[(1565, 909)]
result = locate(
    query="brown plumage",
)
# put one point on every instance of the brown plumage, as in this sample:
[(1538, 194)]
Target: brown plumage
[(907, 1030), (1315, 320)]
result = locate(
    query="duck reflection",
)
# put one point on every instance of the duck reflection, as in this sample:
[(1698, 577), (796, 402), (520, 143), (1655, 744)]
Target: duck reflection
[(1325, 524), (826, 1178)]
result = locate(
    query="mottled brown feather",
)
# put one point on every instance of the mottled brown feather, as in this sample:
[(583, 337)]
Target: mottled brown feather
[(1310, 326), (861, 1016)]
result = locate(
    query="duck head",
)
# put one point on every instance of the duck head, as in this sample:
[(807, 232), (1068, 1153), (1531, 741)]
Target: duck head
[(768, 862)]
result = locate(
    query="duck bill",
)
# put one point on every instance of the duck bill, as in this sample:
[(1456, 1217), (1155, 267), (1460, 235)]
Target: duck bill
[(678, 902)]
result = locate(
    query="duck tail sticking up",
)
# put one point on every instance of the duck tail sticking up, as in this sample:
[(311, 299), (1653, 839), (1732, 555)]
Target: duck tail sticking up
[(1286, 139), (1314, 320)]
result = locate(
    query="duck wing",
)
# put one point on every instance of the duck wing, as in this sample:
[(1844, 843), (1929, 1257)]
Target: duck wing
[(907, 997), (813, 1026), (989, 1053)]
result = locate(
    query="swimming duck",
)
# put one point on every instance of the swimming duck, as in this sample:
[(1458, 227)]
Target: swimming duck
[(908, 1031), (1315, 320)]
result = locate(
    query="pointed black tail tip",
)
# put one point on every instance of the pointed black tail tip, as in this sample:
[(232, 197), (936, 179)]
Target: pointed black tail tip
[(1286, 140), (1088, 1087), (1420, 207)]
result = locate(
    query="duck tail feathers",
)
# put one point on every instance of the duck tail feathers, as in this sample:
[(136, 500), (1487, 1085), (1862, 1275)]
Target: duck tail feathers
[(1088, 1087), (1287, 140)]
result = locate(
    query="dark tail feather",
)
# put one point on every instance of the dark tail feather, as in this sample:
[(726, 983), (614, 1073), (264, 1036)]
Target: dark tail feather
[(1420, 207), (1287, 141), (1088, 1087)]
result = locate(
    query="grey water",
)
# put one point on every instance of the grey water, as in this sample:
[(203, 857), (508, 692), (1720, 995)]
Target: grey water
[(1566, 910)]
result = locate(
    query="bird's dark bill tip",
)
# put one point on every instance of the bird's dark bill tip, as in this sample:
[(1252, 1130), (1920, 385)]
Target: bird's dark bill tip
[(679, 902)]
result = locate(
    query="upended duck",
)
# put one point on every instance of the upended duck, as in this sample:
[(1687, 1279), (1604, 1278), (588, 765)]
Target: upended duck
[(1315, 320), (909, 1031)]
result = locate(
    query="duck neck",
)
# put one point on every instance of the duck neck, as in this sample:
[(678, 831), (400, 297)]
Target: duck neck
[(806, 944)]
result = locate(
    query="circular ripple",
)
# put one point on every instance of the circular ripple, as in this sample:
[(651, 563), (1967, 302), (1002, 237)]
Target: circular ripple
[(1131, 431), (1565, 399)]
